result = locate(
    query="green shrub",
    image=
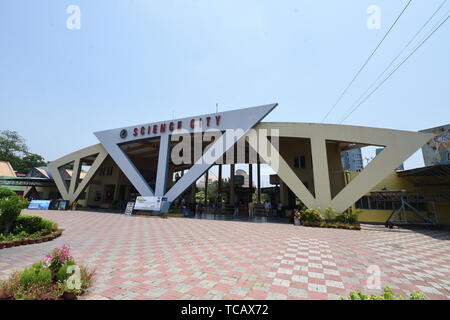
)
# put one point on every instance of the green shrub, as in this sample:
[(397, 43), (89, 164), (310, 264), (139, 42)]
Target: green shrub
[(62, 274), (35, 275), (37, 265), (39, 283), (311, 215), (21, 235), (39, 291), (386, 295), (9, 287), (36, 235), (348, 216), (31, 224), (330, 214), (86, 279), (10, 207)]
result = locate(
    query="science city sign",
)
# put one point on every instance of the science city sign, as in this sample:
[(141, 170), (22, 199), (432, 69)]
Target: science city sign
[(229, 126)]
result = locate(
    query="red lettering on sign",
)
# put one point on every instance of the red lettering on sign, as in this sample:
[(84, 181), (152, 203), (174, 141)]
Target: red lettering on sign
[(142, 130), (208, 120), (162, 127), (171, 126), (155, 129), (179, 124), (192, 123), (149, 129), (135, 132), (217, 120)]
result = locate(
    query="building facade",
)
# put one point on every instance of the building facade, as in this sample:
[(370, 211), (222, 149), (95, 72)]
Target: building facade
[(437, 150), (352, 160), (307, 158)]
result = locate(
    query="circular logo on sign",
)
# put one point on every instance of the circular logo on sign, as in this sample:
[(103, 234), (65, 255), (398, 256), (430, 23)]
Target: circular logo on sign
[(123, 133)]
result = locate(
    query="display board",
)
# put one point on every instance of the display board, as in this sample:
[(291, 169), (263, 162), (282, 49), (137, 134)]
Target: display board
[(39, 204), (129, 208), (149, 203)]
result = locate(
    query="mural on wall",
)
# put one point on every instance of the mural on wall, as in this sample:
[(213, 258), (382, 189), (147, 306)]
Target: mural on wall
[(437, 150)]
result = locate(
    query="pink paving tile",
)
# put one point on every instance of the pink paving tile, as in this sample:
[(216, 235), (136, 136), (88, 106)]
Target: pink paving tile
[(124, 250), (317, 295), (279, 289)]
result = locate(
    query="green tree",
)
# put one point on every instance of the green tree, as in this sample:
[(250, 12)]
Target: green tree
[(14, 150), (213, 191), (10, 207), (12, 145), (29, 161)]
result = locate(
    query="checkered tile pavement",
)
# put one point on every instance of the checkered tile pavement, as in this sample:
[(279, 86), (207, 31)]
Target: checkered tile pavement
[(176, 258)]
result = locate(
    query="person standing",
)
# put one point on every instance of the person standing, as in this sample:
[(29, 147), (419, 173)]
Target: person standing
[(279, 209), (251, 210), (267, 207), (236, 209)]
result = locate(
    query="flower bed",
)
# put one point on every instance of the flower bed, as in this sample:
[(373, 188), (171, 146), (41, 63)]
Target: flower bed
[(333, 225), (57, 277), (386, 295), (327, 219), (29, 229)]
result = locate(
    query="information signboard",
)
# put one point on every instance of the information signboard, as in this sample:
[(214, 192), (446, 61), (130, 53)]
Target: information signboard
[(129, 208), (39, 204), (149, 203)]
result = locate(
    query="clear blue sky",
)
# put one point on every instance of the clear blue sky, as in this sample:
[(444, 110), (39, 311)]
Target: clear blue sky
[(137, 61)]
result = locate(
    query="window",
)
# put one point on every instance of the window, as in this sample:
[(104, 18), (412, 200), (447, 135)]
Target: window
[(105, 171), (299, 162), (98, 196), (387, 203)]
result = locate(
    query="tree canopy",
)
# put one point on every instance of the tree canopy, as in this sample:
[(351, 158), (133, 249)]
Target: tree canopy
[(14, 149)]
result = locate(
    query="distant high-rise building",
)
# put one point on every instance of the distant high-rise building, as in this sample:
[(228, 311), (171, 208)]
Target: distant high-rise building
[(352, 160)]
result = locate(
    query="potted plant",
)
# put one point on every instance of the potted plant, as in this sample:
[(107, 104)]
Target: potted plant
[(74, 205), (69, 295)]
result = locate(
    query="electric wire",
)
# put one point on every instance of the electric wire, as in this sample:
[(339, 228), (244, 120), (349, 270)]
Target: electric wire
[(366, 62), (393, 71), (396, 58)]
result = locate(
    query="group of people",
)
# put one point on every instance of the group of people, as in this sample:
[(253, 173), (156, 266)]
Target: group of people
[(267, 209), (239, 208)]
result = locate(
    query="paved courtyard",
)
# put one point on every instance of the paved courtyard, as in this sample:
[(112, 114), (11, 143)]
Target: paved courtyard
[(176, 258)]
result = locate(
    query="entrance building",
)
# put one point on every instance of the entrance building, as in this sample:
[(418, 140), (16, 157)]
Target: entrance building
[(168, 158)]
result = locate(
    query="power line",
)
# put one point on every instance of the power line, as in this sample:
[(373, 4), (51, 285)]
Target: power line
[(366, 62), (399, 54), (398, 67)]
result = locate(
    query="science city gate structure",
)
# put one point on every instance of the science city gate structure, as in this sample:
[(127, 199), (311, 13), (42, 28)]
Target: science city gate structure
[(166, 159)]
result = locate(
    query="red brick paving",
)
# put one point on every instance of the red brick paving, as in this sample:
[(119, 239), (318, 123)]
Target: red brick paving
[(175, 258)]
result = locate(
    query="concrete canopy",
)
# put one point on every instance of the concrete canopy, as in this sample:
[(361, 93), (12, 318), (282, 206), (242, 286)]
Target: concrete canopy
[(398, 146)]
